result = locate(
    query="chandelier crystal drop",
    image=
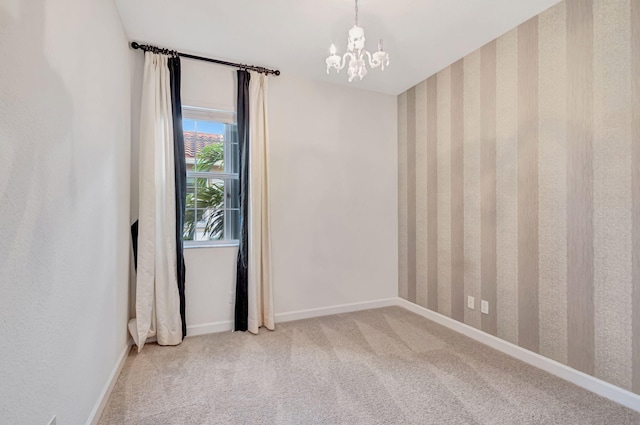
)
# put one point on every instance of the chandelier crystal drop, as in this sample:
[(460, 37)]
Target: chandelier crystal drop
[(356, 54)]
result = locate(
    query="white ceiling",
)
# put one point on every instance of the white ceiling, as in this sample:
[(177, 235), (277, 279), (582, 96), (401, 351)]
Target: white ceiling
[(421, 36)]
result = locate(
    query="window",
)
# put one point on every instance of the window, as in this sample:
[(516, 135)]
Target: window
[(213, 189)]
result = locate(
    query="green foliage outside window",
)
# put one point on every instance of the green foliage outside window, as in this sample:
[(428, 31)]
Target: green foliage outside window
[(208, 196)]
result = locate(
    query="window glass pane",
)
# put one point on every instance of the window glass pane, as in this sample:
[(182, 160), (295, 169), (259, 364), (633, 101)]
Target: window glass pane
[(232, 140), (233, 193), (233, 208), (204, 145), (190, 218), (233, 223), (204, 219), (210, 158), (234, 158)]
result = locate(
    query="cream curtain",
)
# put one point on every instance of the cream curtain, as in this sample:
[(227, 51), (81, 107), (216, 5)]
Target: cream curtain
[(157, 298), (260, 291)]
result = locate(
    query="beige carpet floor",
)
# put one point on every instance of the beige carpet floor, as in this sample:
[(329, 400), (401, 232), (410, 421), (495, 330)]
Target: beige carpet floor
[(383, 366)]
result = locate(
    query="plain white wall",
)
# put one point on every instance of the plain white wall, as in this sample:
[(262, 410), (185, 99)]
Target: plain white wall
[(65, 101), (333, 197), (334, 194)]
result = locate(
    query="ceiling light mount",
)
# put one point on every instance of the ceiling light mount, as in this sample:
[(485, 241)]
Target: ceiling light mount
[(356, 54)]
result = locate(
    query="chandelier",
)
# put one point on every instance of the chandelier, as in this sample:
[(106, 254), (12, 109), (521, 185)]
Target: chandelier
[(356, 54)]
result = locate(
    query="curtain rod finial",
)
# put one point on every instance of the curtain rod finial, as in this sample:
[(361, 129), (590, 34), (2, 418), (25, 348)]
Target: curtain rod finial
[(135, 45)]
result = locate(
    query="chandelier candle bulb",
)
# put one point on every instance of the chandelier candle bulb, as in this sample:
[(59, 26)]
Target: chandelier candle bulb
[(355, 55)]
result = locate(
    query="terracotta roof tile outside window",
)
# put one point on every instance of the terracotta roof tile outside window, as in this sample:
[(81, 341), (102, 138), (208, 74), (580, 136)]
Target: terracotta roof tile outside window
[(194, 142)]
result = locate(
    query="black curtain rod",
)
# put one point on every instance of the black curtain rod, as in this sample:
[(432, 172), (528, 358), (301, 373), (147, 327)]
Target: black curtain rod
[(148, 48)]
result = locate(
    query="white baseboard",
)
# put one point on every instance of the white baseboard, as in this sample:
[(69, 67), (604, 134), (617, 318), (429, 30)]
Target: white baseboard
[(227, 325), (581, 379), (209, 328), (96, 412), (336, 309)]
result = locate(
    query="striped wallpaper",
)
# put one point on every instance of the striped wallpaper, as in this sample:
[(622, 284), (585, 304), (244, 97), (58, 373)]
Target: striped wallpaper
[(519, 184)]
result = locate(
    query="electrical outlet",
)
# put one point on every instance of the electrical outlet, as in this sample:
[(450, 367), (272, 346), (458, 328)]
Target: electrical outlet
[(471, 302), (232, 299), (484, 306), (53, 421)]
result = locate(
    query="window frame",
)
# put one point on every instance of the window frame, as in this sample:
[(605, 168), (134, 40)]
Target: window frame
[(222, 117)]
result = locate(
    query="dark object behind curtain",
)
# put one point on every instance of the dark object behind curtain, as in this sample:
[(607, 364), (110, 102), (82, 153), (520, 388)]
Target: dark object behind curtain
[(134, 241), (181, 179), (242, 270)]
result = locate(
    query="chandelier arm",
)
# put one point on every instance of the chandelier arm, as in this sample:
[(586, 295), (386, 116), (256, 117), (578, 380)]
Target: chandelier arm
[(372, 63), (344, 59)]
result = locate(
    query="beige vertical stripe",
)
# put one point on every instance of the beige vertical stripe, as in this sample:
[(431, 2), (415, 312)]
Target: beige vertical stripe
[(444, 191), (411, 194), (612, 190), (422, 240), (528, 330), (402, 196), (635, 172), (472, 185), (552, 181), (457, 192), (580, 185), (507, 185), (488, 184), (432, 192)]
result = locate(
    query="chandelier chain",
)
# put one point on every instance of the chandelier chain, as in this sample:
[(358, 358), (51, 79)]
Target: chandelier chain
[(356, 12)]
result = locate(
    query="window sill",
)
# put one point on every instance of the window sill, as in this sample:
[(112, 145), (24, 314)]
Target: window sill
[(226, 244)]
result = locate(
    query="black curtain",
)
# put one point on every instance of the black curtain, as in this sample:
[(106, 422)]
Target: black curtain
[(242, 274), (134, 241), (180, 177)]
